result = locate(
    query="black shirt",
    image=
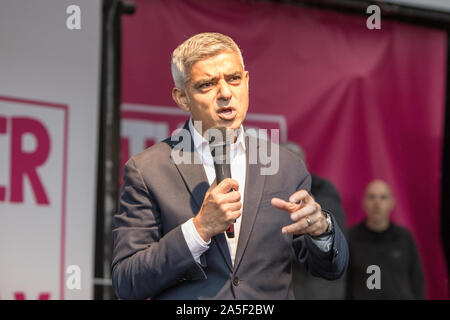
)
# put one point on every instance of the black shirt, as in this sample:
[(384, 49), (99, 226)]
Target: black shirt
[(394, 252)]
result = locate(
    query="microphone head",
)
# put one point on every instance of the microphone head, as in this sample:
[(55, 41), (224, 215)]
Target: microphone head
[(220, 139)]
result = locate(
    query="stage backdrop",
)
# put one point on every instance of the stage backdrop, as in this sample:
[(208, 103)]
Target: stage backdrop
[(364, 104), (49, 104)]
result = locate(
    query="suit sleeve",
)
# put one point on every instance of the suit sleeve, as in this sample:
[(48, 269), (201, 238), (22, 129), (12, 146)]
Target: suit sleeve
[(330, 200), (145, 262), (329, 265)]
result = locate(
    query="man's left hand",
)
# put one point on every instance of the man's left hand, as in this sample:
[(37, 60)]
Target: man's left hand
[(306, 213)]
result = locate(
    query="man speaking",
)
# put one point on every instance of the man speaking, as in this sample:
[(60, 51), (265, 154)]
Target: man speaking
[(170, 239)]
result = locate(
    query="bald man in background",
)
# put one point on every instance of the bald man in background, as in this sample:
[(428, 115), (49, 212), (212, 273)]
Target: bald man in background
[(379, 242)]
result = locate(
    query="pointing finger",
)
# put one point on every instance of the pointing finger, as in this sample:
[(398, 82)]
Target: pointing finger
[(284, 205)]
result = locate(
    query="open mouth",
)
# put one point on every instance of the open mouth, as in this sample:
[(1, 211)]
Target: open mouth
[(227, 113)]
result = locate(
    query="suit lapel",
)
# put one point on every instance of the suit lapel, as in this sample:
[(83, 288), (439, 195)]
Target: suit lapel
[(193, 173), (195, 178), (254, 185)]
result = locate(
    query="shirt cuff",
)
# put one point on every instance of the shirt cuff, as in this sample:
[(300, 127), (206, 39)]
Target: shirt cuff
[(195, 243), (324, 243)]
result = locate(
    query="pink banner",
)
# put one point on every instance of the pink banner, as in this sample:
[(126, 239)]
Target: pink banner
[(364, 104)]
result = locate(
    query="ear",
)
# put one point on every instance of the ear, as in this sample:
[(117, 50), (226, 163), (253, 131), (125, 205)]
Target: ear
[(247, 77), (180, 98)]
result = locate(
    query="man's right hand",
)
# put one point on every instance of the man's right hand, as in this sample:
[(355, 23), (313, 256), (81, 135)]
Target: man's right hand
[(219, 210)]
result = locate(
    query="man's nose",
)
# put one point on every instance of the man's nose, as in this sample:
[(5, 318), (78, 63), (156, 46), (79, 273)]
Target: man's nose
[(224, 90)]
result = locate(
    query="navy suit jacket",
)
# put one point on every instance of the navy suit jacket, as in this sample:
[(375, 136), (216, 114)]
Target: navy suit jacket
[(152, 260)]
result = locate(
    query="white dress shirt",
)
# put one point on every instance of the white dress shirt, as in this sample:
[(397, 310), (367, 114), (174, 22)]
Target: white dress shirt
[(238, 165)]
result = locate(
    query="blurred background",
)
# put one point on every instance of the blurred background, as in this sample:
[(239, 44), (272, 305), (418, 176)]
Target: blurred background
[(359, 89)]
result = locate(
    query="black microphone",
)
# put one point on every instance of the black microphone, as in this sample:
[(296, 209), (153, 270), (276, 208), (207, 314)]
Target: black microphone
[(220, 140)]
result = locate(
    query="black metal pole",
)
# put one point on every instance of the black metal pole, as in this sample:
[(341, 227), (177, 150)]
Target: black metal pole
[(445, 194), (109, 144)]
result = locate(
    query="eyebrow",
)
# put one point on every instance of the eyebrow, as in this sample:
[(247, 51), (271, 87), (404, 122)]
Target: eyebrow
[(236, 73), (213, 79), (204, 80)]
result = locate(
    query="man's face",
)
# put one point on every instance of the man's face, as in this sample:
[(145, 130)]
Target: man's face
[(217, 91), (378, 201)]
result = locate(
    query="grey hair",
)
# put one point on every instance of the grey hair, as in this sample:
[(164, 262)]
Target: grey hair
[(198, 47)]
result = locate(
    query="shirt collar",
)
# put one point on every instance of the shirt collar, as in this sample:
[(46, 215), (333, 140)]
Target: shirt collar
[(200, 141)]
